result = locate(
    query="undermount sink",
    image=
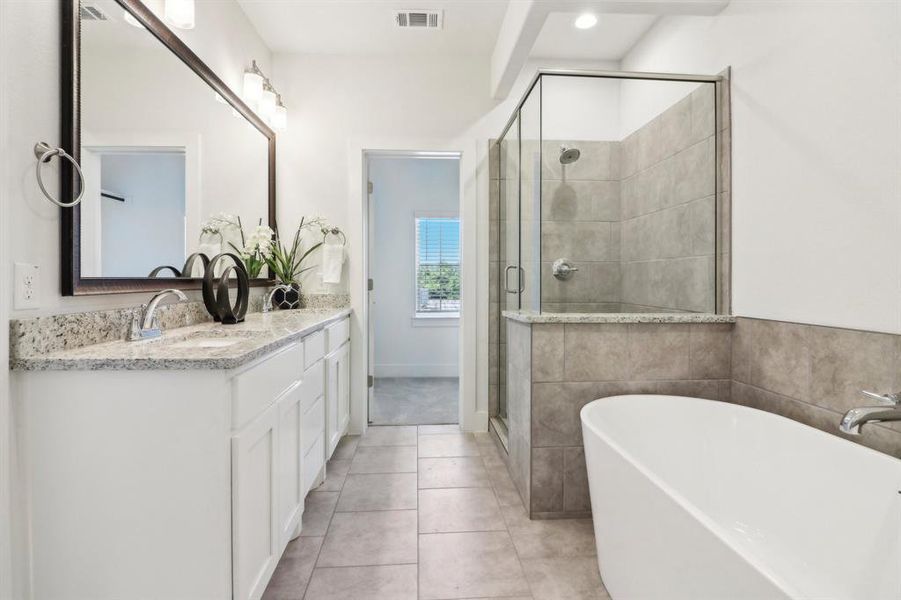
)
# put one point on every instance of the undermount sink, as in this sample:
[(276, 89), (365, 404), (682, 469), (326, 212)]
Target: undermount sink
[(218, 339)]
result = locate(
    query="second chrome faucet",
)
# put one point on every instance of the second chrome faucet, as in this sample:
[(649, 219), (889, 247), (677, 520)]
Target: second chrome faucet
[(889, 409)]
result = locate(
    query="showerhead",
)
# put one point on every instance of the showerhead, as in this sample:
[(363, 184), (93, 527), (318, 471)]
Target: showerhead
[(569, 155)]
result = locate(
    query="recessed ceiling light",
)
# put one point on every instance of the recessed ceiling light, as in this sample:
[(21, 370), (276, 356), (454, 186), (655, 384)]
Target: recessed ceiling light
[(586, 21)]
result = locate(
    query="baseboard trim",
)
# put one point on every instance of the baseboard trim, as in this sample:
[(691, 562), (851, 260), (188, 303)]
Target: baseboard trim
[(417, 371)]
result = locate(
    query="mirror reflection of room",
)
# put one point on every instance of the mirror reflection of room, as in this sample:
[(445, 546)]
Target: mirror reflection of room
[(170, 168)]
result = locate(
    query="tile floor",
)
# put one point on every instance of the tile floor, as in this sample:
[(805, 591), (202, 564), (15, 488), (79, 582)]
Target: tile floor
[(415, 400), (430, 513)]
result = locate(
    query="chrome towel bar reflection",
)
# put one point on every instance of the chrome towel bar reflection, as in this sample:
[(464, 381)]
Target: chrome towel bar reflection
[(43, 152)]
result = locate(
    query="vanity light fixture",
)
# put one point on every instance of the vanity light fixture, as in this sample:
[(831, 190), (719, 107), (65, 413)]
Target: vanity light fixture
[(261, 95), (180, 13), (585, 21)]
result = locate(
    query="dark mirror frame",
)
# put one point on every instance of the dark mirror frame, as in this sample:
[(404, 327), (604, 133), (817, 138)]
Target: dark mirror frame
[(73, 284)]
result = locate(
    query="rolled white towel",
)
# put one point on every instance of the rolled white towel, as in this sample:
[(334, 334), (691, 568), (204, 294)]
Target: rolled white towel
[(332, 262)]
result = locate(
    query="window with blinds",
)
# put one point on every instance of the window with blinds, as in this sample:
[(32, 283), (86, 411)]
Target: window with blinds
[(437, 283)]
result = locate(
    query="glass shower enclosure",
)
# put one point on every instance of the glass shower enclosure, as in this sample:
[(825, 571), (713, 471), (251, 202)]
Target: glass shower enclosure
[(608, 201)]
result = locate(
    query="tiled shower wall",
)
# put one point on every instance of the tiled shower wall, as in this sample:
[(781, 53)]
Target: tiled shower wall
[(668, 209), (580, 221), (807, 373)]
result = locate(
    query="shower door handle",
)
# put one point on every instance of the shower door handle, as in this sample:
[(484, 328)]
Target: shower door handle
[(507, 280), (522, 280)]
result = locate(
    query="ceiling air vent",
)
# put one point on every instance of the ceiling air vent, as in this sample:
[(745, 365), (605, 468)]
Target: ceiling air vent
[(419, 19), (92, 13)]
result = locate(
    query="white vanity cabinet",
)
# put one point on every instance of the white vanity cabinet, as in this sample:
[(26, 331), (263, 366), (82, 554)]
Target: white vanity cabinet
[(337, 394), (173, 483)]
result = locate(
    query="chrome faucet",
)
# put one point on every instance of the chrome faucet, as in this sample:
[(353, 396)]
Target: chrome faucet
[(267, 302), (147, 326), (890, 410)]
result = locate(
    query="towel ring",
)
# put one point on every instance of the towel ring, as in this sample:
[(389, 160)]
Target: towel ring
[(334, 231), (43, 152)]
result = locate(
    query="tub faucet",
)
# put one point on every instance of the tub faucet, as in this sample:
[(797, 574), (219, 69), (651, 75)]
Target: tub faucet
[(147, 326), (890, 410)]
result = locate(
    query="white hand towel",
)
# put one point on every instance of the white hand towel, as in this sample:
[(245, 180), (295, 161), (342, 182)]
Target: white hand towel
[(332, 262)]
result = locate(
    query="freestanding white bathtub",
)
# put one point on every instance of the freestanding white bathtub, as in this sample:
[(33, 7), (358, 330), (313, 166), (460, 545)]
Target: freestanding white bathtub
[(695, 499)]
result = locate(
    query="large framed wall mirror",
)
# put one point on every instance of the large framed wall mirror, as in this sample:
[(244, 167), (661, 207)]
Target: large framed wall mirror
[(172, 159)]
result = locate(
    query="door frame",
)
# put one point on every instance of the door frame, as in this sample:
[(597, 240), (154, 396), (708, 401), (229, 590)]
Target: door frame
[(466, 405)]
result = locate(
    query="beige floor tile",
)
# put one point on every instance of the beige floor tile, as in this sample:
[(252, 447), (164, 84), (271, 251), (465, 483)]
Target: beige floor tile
[(394, 582), (385, 537), (452, 472), (289, 582), (574, 578), (483, 438), (384, 459), (459, 509), (346, 447), (492, 457), (448, 444), (389, 435), (438, 429), (385, 491), (504, 488), (549, 538), (317, 512), (469, 565), (335, 473)]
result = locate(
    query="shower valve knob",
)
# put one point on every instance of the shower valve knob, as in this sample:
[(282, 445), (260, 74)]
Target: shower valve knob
[(563, 269)]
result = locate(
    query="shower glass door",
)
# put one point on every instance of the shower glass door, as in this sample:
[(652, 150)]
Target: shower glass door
[(508, 250)]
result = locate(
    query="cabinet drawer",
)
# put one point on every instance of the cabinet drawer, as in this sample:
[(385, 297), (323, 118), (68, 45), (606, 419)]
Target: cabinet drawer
[(337, 333), (312, 423), (313, 384), (255, 389), (314, 348)]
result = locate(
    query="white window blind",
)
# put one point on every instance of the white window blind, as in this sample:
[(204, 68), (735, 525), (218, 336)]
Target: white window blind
[(437, 266)]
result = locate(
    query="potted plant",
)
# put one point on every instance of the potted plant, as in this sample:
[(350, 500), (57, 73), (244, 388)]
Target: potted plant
[(286, 263), (253, 249)]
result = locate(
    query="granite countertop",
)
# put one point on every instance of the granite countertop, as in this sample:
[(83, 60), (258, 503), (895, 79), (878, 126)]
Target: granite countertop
[(533, 317), (257, 336)]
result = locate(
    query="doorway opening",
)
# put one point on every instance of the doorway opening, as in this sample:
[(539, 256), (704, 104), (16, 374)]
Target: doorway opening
[(414, 265)]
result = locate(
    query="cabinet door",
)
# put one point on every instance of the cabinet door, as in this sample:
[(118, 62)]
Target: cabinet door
[(255, 523), (290, 500), (332, 401), (344, 390)]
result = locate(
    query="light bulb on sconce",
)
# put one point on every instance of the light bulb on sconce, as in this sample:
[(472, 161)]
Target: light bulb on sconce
[(180, 13), (253, 87), (266, 105), (279, 120)]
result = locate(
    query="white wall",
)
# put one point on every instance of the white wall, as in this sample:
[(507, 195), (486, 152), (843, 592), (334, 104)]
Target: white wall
[(223, 38), (404, 187), (816, 148)]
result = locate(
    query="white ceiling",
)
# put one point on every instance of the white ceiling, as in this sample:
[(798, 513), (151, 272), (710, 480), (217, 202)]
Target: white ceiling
[(610, 39), (367, 26)]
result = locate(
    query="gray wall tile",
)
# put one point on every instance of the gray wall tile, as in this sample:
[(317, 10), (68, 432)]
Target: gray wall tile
[(547, 480), (547, 352)]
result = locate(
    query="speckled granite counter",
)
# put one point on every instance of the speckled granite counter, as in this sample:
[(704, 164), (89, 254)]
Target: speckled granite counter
[(531, 317), (178, 348)]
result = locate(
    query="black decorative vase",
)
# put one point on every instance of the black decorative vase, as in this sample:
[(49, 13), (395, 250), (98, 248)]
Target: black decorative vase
[(287, 299)]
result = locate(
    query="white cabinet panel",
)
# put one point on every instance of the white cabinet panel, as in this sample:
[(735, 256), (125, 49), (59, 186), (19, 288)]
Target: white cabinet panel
[(255, 526), (337, 395), (259, 386), (314, 348), (291, 493), (336, 334)]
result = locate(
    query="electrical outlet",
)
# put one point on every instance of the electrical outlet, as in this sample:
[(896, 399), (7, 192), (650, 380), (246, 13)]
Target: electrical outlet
[(27, 281)]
